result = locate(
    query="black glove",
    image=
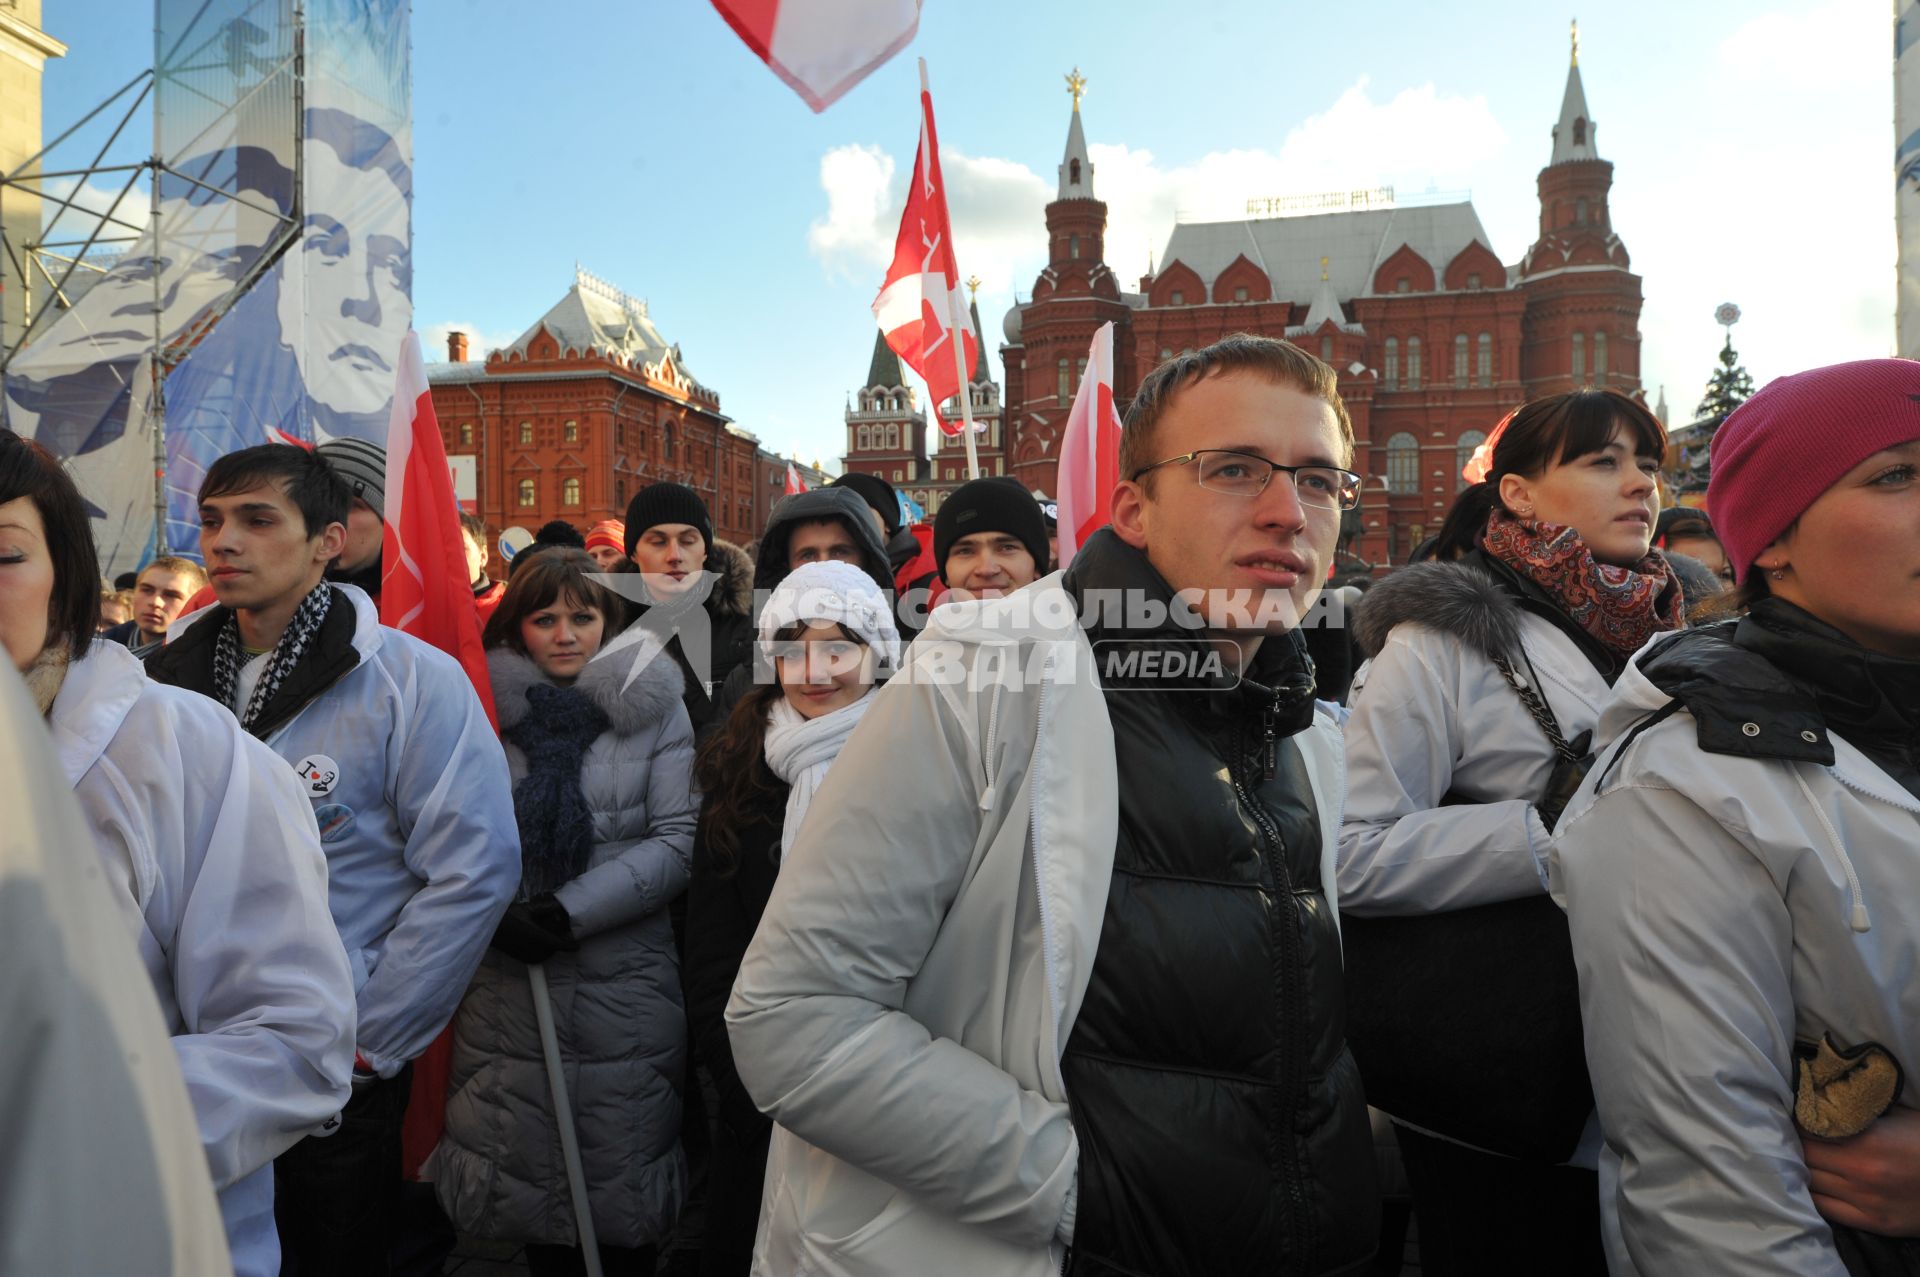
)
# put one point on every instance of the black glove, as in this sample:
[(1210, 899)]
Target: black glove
[(534, 930)]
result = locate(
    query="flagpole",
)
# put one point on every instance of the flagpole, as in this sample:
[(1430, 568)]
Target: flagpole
[(956, 330)]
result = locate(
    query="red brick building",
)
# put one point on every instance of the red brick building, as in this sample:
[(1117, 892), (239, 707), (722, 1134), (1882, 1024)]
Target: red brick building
[(584, 409), (887, 434), (1433, 337)]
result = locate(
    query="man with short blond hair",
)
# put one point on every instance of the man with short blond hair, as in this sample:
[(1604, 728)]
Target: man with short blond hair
[(1083, 990), (159, 596)]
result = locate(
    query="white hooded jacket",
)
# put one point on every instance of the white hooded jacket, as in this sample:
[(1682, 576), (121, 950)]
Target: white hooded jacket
[(212, 852), (1724, 904), (409, 786), (903, 1007)]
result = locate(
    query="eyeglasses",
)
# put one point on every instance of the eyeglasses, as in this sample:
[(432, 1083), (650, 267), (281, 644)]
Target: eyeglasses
[(1246, 474)]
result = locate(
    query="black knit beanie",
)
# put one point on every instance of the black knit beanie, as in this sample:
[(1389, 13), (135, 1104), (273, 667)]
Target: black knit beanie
[(998, 504), (876, 492), (666, 503)]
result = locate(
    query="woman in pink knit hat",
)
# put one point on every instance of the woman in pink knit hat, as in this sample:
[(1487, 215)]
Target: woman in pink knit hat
[(1742, 868)]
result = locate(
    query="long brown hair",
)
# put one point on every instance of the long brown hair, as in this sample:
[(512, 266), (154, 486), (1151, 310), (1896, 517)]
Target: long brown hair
[(731, 768), (548, 575)]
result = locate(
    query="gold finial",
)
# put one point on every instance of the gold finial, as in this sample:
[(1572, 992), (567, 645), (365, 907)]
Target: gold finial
[(1323, 269), (973, 286), (1076, 85), (1576, 42)]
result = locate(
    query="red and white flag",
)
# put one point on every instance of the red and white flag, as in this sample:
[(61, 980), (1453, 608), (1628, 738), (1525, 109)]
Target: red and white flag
[(921, 293), (424, 591), (822, 48), (794, 482), (1090, 451)]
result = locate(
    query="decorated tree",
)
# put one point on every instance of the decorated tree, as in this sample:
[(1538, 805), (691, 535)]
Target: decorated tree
[(1727, 389)]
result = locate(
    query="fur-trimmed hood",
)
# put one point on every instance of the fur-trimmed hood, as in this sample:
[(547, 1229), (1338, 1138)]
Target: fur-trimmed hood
[(1460, 599), (633, 681), (732, 594)]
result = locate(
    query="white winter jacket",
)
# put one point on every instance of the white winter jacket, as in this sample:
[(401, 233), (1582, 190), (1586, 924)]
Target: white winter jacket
[(903, 1007), (1723, 905), (212, 852), (409, 785), (1432, 716)]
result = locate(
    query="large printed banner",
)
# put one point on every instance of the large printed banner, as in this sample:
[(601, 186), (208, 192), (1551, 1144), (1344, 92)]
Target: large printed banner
[(1906, 171), (324, 282)]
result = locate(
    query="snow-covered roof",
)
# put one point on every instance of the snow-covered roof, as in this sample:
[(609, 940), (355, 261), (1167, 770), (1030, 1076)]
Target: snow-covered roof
[(595, 313), (1355, 243)]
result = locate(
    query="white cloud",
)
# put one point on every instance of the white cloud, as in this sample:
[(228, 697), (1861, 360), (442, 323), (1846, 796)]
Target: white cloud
[(1816, 48), (1419, 139), (433, 340)]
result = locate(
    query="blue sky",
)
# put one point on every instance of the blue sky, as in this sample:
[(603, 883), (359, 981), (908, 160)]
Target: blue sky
[(1751, 142)]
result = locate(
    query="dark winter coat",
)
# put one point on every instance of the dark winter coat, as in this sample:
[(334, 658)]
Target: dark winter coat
[(617, 1002), (724, 905), (729, 608), (1221, 1123)]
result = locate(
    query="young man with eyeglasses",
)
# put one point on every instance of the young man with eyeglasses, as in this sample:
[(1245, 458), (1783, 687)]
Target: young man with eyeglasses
[(1084, 991)]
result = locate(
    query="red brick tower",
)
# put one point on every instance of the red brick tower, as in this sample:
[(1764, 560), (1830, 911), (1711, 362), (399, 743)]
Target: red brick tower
[(1582, 322), (1048, 336)]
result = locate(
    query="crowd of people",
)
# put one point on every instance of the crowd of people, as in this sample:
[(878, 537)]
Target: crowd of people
[(902, 903)]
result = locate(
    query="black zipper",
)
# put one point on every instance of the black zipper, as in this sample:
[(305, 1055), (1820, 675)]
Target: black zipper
[(1287, 974)]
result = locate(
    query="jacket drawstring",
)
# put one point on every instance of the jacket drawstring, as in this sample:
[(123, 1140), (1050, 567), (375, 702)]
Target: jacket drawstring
[(1859, 921)]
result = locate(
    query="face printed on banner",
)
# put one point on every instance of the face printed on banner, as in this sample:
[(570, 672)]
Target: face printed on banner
[(669, 556), (821, 670), (1610, 497), (562, 637), (357, 263), (257, 550), (1269, 551), (26, 581)]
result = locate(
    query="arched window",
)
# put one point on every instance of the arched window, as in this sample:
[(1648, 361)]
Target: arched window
[(571, 432), (1580, 131), (526, 492), (466, 433), (1460, 360), (1599, 358), (1073, 172), (620, 492), (1579, 356), (1326, 350), (570, 493), (1463, 453), (1063, 388), (1392, 371), (526, 432), (1486, 359), (1176, 298), (1403, 463), (1240, 293), (1413, 363), (1073, 246), (866, 438), (893, 436), (666, 441), (1079, 374), (1580, 212)]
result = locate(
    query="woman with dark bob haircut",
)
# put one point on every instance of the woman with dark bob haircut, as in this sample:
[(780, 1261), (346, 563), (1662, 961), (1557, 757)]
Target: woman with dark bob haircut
[(1742, 870), (601, 753), (1487, 671), (209, 833)]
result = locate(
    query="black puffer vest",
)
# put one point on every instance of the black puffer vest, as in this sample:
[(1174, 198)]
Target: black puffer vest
[(1220, 1117)]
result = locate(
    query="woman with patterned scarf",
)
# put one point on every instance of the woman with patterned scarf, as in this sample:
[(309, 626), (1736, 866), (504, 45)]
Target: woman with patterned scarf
[(601, 754), (1470, 729)]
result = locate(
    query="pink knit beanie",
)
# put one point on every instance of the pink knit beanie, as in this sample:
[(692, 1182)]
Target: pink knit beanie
[(1791, 442)]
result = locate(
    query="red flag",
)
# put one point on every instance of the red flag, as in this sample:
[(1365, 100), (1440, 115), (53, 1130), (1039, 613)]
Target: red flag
[(794, 482), (822, 48), (921, 294), (1090, 451), (424, 591)]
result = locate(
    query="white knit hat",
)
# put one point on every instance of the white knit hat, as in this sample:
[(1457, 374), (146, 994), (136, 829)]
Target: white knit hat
[(833, 593)]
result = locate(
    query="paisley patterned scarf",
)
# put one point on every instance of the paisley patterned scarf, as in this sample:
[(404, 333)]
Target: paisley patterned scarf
[(1620, 607)]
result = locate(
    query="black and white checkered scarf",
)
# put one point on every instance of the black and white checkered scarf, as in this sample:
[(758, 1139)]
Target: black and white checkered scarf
[(287, 652)]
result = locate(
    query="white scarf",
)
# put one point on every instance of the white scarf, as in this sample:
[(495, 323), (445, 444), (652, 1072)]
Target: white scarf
[(800, 749)]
